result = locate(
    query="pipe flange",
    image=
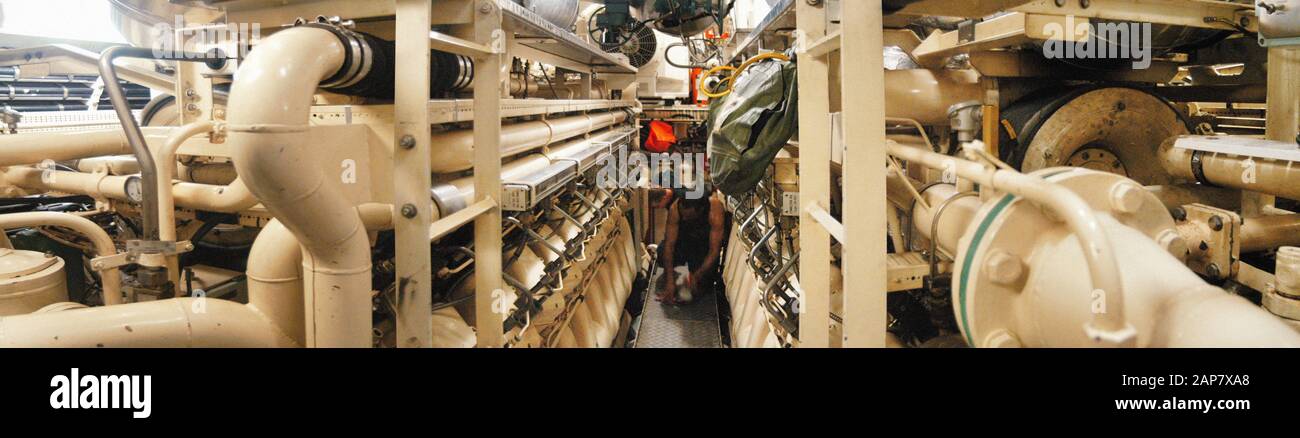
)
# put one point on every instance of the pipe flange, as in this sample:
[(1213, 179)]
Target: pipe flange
[(986, 300), (1288, 308)]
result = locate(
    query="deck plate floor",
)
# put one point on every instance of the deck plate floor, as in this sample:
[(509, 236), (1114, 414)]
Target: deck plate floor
[(693, 325)]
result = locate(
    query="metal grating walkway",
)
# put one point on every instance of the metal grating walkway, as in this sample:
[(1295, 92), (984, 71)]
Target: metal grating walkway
[(693, 325)]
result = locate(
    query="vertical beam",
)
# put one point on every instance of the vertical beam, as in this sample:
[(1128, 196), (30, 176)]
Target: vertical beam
[(862, 55), (587, 85), (1283, 110), (814, 180), (411, 179), (489, 298)]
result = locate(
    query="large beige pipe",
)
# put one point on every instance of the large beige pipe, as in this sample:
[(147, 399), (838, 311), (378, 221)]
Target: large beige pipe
[(202, 173), (956, 216), (1177, 195), (1270, 232), (35, 147), (269, 108), (180, 322), (275, 285), (1279, 178), (1168, 305), (112, 279), (1102, 264), (274, 316), (233, 198), (454, 149), (925, 95)]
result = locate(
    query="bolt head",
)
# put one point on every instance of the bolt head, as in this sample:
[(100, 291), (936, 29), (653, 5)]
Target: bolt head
[(409, 211), (407, 142), (1004, 268), (1002, 338), (1174, 243), (1216, 223), (1213, 271), (1126, 197), (1179, 214)]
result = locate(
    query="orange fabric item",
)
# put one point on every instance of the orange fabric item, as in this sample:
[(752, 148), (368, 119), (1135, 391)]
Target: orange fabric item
[(661, 137)]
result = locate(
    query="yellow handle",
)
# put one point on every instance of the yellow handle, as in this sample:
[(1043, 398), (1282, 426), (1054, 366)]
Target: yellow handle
[(724, 87)]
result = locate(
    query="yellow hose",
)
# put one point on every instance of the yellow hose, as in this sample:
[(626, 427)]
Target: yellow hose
[(724, 87)]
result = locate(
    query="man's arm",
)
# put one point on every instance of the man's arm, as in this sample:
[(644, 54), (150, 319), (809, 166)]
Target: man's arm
[(717, 219), (670, 246)]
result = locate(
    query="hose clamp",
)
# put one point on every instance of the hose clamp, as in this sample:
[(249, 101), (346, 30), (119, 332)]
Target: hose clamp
[(1198, 169), (356, 61)]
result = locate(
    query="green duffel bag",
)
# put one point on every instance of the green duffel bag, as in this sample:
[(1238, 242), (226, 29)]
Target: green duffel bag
[(749, 126)]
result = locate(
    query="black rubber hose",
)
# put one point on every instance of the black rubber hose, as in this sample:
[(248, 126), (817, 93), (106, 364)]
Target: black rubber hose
[(447, 72)]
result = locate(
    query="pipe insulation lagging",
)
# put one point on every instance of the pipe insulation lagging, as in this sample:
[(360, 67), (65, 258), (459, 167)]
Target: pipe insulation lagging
[(369, 67)]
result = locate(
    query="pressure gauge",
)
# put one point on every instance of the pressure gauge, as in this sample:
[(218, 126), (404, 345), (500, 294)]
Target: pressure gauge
[(134, 189)]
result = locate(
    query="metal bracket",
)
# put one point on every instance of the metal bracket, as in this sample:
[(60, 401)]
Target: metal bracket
[(110, 262), (137, 248), (166, 248), (1279, 42)]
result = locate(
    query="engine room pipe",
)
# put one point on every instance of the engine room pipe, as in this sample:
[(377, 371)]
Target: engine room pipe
[(1265, 233), (1103, 267), (112, 278), (269, 108), (456, 194), (926, 95), (179, 322), (274, 274), (134, 135), (35, 147), (1168, 305), (165, 157), (1177, 195), (1278, 178), (233, 198), (455, 148), (952, 224)]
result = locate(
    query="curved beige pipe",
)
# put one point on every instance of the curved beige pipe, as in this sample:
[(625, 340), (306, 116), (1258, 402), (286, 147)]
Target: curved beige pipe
[(180, 322), (112, 278), (274, 316), (275, 285), (165, 156), (34, 147), (269, 110), (454, 150)]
